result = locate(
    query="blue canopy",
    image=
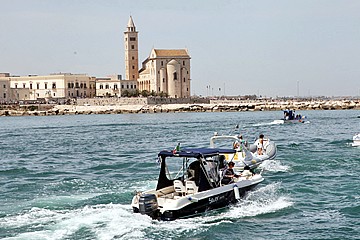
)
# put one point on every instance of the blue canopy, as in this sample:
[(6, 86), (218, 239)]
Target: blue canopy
[(195, 152)]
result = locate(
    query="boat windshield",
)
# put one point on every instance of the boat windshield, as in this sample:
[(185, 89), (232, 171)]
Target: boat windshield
[(178, 169)]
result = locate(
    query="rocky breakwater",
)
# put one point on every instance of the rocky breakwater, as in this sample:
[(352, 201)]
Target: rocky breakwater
[(214, 106)]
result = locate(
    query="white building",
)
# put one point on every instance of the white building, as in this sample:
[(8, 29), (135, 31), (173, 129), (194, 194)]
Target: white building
[(56, 86), (113, 86), (4, 87)]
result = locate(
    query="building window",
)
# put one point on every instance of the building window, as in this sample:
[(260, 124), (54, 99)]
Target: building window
[(30, 85), (184, 63), (81, 85), (162, 63), (4, 95), (187, 72), (132, 39), (54, 94), (135, 86), (132, 58), (45, 85), (85, 85), (187, 89), (133, 76), (101, 86), (24, 85), (38, 94), (175, 76), (115, 86), (4, 86), (38, 86), (15, 85), (107, 86), (131, 86), (159, 89), (77, 85), (122, 86), (184, 79), (132, 47), (133, 67), (127, 86), (125, 39), (163, 80), (53, 85)]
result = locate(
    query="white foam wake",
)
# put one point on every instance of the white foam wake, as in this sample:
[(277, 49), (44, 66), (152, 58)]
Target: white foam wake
[(109, 221), (274, 166)]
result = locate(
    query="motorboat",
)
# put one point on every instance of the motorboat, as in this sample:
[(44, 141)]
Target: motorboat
[(356, 140), (245, 154), (291, 117), (190, 183)]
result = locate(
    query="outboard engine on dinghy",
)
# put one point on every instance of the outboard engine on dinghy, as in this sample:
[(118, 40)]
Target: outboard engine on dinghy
[(148, 205)]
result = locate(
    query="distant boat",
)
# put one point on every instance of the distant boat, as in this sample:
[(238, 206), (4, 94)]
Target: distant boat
[(356, 140), (291, 117)]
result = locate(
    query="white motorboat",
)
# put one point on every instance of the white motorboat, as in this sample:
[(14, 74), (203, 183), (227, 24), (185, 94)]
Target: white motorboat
[(356, 140), (245, 154), (190, 183)]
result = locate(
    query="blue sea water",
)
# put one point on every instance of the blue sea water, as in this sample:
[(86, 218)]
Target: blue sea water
[(73, 177)]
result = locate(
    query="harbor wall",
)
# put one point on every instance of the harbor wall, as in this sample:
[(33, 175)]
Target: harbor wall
[(149, 105)]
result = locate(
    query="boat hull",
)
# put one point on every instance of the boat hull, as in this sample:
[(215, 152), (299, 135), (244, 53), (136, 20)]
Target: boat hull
[(201, 203), (205, 205)]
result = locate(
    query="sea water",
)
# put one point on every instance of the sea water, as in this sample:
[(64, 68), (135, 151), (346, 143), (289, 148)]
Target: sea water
[(73, 177)]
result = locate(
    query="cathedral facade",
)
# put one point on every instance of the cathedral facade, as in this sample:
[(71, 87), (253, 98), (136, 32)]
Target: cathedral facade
[(164, 71)]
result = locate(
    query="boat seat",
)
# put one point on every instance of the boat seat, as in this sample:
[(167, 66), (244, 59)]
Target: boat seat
[(191, 187), (179, 187)]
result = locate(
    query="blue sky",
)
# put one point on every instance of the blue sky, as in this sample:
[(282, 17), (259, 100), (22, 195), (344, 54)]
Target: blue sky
[(263, 47)]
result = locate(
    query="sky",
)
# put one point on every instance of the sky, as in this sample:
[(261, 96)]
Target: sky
[(237, 47)]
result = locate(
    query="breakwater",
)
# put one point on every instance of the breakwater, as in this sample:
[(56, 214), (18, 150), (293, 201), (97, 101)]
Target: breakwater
[(212, 106)]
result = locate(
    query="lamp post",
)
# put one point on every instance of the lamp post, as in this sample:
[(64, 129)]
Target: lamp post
[(297, 89)]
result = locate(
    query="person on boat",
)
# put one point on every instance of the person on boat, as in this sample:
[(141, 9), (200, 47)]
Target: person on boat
[(247, 173), (260, 145), (229, 174), (236, 145)]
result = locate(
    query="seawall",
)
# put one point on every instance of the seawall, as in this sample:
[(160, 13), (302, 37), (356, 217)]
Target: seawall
[(102, 106)]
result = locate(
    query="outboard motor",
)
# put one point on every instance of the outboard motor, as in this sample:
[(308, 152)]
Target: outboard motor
[(148, 205)]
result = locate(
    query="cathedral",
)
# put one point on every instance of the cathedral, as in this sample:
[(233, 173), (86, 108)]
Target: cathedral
[(164, 71)]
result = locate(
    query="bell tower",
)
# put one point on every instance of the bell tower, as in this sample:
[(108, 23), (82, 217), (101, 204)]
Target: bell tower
[(131, 51)]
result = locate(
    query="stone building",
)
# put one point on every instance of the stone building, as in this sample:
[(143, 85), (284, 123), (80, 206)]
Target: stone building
[(164, 71), (131, 51)]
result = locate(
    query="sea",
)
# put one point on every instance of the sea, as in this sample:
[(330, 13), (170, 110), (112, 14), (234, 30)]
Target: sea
[(73, 176)]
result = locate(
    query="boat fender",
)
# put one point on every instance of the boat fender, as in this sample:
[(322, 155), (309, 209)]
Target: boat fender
[(253, 148), (236, 191), (271, 151), (192, 199)]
